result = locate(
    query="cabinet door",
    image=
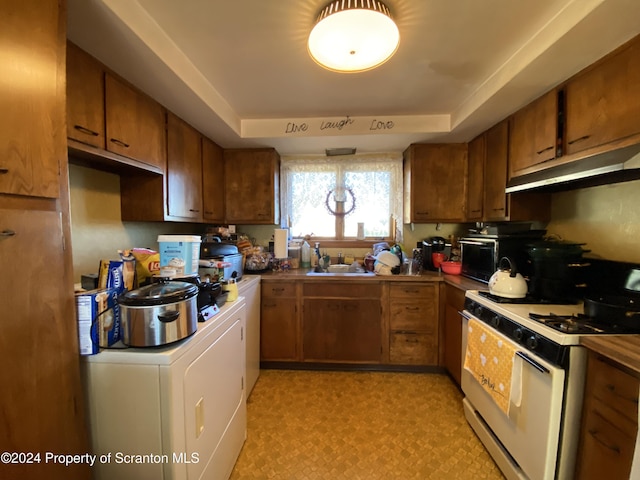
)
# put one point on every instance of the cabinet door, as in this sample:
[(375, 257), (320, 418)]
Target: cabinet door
[(453, 331), (437, 183), (342, 330), (184, 170), (609, 421), (85, 97), (252, 186), (212, 182), (534, 135), (603, 104), (32, 123), (42, 405), (278, 329), (475, 178), (135, 124), (495, 198)]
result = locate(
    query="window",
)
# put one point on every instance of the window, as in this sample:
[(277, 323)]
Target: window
[(328, 197)]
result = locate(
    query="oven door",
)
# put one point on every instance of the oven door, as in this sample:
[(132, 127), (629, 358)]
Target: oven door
[(525, 443)]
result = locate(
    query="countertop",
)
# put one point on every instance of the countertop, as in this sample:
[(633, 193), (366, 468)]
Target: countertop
[(624, 349), (301, 274)]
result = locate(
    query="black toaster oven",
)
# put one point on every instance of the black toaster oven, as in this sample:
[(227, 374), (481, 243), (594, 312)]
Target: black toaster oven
[(481, 254)]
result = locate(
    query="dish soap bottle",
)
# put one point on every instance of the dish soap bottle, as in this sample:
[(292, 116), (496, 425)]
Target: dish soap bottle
[(305, 261)]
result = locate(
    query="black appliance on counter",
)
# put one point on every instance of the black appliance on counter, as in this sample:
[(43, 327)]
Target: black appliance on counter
[(208, 293), (558, 270), (433, 245), (480, 254), (225, 252)]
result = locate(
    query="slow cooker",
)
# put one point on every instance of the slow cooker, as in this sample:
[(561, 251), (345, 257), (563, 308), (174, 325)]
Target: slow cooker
[(159, 314)]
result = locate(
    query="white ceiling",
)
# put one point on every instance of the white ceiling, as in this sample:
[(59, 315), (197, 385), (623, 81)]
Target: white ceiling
[(239, 71)]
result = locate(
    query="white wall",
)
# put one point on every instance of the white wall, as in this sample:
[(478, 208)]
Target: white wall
[(97, 231)]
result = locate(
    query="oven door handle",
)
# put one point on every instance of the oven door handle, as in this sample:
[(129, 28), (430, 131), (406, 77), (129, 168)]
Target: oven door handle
[(465, 315), (533, 363)]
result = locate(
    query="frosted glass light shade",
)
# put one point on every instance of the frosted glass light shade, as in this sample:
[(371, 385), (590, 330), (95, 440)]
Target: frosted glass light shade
[(353, 36)]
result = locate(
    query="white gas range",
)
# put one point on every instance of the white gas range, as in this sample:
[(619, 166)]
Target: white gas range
[(531, 427)]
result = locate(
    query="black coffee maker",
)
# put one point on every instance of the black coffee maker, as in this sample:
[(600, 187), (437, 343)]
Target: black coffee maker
[(432, 245)]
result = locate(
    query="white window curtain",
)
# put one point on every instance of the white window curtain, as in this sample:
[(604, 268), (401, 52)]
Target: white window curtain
[(371, 184)]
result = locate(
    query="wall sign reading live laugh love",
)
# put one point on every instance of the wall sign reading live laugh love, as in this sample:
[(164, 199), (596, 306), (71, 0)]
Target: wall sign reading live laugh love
[(375, 124), (347, 125)]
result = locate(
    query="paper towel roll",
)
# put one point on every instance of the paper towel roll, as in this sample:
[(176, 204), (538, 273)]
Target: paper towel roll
[(280, 241)]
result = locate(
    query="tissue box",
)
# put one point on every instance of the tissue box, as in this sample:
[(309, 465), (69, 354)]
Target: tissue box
[(98, 315)]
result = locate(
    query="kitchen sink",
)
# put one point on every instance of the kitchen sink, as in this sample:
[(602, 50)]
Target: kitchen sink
[(340, 274)]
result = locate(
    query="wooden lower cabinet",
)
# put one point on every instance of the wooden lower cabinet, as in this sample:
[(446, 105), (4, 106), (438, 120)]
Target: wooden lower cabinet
[(609, 421), (342, 330), (454, 303), (279, 322), (413, 323), (351, 322), (342, 322)]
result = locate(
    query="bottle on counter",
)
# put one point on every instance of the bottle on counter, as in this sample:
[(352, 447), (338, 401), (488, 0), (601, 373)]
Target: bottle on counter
[(305, 255)]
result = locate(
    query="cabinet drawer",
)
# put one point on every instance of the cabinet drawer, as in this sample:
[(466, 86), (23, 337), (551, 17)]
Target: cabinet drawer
[(341, 290), (614, 387), (412, 291), (607, 451), (408, 348), (416, 315), (278, 290)]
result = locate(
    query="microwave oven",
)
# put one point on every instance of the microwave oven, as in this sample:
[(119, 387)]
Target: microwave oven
[(480, 255)]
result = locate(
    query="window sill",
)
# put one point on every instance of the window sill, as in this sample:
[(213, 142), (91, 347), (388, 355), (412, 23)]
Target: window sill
[(346, 243)]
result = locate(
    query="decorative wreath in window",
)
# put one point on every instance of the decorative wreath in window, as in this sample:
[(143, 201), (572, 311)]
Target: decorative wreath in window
[(337, 191)]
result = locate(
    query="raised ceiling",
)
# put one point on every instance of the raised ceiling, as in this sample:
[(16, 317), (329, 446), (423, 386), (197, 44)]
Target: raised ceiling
[(239, 71)]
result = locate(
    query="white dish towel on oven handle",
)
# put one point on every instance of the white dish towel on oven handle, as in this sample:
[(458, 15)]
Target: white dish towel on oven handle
[(515, 396)]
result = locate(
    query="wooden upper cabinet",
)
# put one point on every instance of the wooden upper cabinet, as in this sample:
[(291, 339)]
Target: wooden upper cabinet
[(135, 124), (85, 97), (435, 182), (213, 182), (184, 170), (603, 103), (534, 135), (495, 172), (475, 178), (252, 186), (32, 124)]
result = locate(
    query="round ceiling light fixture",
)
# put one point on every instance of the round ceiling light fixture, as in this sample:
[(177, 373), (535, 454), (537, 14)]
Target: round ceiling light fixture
[(353, 36)]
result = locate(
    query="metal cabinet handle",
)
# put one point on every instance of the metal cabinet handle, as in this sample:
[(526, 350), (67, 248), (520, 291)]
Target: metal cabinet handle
[(194, 210), (119, 142), (82, 129), (7, 233), (594, 433), (612, 388), (539, 152), (579, 139), (4, 171)]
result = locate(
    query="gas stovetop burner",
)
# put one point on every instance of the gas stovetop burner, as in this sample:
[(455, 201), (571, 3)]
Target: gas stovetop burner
[(529, 300), (578, 323)]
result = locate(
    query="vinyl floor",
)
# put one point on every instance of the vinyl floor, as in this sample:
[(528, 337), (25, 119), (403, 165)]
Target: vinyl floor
[(359, 425)]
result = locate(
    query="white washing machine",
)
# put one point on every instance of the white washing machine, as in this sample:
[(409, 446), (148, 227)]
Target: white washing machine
[(176, 412)]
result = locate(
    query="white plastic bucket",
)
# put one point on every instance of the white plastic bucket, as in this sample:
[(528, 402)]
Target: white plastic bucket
[(181, 252)]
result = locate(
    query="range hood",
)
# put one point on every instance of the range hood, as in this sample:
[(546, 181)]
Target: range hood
[(614, 166)]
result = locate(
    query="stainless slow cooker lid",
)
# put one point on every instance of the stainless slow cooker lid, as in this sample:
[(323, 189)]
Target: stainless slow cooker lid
[(159, 294)]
